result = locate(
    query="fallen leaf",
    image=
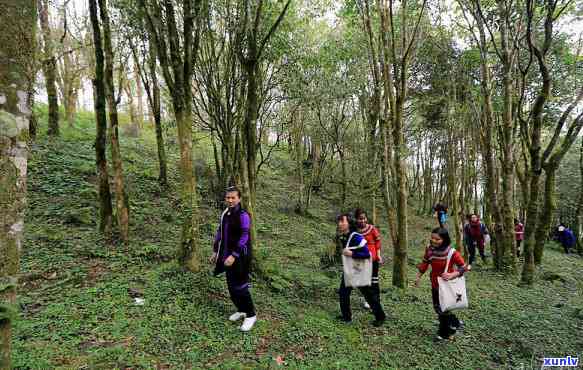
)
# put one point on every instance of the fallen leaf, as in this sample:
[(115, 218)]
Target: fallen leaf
[(279, 360)]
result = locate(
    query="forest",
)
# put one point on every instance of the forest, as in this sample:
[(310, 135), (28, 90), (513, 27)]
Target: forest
[(127, 125)]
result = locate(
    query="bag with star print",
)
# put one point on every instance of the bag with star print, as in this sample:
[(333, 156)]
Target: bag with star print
[(452, 293)]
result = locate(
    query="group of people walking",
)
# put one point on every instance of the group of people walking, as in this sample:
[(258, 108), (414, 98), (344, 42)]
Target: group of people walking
[(356, 239)]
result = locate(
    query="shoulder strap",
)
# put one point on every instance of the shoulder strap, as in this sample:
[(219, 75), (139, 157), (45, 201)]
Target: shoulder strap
[(221, 229), (349, 239), (223, 215), (449, 254)]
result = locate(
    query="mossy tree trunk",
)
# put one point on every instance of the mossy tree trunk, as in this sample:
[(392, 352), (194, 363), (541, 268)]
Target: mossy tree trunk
[(49, 69), (176, 54), (105, 205), (250, 53), (121, 199), (579, 223), (17, 50)]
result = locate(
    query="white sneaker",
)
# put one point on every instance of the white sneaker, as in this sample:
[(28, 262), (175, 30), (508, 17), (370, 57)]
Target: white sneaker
[(237, 316), (248, 323), (366, 305)]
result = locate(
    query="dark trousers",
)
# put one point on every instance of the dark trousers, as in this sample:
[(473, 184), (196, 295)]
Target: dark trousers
[(368, 293), (448, 322), (239, 292), (375, 287), (472, 250), (518, 242)]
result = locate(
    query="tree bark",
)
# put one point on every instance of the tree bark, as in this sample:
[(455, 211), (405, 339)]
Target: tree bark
[(579, 223), (546, 216), (250, 56), (33, 127), (105, 205), (296, 132), (134, 124), (121, 199), (49, 69), (17, 49), (149, 76), (177, 68), (507, 245)]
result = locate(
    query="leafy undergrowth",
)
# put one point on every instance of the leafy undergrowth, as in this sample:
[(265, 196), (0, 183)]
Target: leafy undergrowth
[(77, 295)]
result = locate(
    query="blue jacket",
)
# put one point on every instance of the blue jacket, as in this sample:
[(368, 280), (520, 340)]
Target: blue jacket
[(567, 238), (357, 244)]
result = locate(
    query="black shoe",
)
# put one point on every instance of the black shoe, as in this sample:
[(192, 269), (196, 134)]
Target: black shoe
[(460, 327), (344, 319)]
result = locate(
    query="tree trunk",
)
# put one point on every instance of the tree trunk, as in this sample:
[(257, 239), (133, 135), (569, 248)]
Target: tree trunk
[(400, 248), (452, 187), (17, 50), (532, 215), (250, 143), (140, 99), (507, 245), (154, 99), (33, 127), (71, 85), (134, 124), (386, 175), (177, 68), (344, 179), (579, 219), (546, 216), (121, 200), (49, 69), (189, 256), (297, 134), (105, 207)]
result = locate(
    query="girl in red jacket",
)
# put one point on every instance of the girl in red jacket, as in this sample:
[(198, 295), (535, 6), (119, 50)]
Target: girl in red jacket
[(436, 257), (373, 240)]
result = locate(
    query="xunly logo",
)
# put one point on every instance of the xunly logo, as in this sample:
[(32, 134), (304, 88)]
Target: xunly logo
[(561, 361)]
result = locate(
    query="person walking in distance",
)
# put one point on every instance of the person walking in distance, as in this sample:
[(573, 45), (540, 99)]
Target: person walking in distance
[(474, 233)]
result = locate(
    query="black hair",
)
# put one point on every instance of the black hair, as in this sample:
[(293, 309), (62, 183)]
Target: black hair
[(443, 234), (358, 212), (233, 189), (349, 218)]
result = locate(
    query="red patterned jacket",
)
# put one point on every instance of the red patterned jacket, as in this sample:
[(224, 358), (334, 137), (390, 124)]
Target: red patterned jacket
[(437, 258), (373, 239)]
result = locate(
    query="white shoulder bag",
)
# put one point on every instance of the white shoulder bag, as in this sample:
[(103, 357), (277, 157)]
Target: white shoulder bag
[(452, 293), (357, 271)]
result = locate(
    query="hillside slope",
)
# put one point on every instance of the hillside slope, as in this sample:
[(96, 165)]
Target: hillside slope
[(77, 309)]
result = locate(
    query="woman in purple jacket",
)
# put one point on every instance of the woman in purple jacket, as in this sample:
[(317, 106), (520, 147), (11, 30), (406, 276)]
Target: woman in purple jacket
[(232, 254)]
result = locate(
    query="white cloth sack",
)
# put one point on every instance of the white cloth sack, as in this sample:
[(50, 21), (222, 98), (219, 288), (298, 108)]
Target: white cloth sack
[(452, 293), (357, 272)]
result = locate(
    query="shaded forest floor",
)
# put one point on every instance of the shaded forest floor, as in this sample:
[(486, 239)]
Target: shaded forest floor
[(78, 310)]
